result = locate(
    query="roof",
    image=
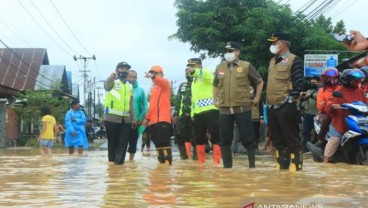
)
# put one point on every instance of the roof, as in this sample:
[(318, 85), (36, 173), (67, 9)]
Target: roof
[(20, 67), (50, 76)]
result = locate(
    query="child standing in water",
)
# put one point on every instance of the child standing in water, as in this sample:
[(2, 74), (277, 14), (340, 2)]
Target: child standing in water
[(48, 134)]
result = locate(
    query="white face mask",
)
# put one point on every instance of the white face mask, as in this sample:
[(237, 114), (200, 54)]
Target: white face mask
[(229, 57), (274, 49)]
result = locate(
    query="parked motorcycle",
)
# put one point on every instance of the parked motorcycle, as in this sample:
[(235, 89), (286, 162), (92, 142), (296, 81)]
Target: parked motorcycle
[(354, 142)]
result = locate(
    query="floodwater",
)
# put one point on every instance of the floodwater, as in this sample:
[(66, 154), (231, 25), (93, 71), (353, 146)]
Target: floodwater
[(90, 181)]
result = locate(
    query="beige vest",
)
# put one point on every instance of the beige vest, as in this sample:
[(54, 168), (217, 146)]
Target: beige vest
[(234, 86), (279, 80)]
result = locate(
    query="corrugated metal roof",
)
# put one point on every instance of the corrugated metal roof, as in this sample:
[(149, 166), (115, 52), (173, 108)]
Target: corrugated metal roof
[(50, 76), (19, 67)]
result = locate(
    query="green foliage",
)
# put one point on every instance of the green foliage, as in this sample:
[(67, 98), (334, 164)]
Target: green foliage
[(34, 100), (339, 27), (208, 25)]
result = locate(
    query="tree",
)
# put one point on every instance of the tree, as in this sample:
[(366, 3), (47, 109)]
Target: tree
[(325, 23), (33, 100), (339, 27), (208, 25)]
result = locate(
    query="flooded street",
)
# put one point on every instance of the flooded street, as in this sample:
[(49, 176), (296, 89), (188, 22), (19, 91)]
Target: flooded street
[(90, 181)]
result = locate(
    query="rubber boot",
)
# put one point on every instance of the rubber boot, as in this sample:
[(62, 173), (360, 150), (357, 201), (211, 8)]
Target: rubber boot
[(216, 153), (296, 162), (160, 155), (283, 160), (201, 153), (167, 155), (251, 157), (188, 148), (227, 156), (182, 151)]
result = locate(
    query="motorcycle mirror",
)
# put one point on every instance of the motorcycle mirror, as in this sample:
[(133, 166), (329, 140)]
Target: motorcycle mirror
[(338, 94)]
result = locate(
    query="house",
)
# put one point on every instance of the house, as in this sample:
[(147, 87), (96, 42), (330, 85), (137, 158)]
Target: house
[(22, 69)]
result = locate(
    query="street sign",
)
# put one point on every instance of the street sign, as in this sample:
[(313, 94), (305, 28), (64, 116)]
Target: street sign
[(315, 63)]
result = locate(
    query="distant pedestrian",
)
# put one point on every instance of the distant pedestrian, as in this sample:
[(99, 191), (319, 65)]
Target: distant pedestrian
[(48, 134), (75, 136)]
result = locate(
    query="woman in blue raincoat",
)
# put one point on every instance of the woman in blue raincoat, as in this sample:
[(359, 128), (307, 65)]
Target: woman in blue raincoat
[(75, 135)]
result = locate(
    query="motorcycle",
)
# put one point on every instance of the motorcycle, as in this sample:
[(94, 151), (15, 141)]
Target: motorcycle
[(354, 142)]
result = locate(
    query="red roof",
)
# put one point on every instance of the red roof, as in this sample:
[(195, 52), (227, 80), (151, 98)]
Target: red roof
[(19, 67)]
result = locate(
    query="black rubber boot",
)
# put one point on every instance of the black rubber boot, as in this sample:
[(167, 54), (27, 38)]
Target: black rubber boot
[(227, 156), (283, 159), (168, 155), (252, 157), (182, 152), (160, 155), (296, 161), (194, 153)]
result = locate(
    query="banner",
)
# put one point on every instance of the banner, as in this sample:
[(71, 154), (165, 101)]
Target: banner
[(315, 63)]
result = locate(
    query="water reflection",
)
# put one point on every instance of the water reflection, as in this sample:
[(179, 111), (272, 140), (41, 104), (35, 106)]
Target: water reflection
[(90, 181)]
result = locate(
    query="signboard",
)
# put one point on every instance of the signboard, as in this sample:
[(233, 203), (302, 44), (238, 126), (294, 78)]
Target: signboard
[(315, 63)]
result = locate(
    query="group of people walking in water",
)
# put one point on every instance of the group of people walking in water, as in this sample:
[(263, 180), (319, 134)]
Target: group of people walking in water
[(209, 104)]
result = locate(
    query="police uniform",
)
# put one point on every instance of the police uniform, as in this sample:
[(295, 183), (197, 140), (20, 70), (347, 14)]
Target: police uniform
[(118, 120)]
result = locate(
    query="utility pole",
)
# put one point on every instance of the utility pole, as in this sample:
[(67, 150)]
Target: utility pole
[(85, 75)]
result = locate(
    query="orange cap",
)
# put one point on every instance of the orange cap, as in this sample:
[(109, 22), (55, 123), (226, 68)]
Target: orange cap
[(157, 68)]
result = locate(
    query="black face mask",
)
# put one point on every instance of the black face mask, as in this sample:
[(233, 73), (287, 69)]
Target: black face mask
[(123, 75), (314, 86)]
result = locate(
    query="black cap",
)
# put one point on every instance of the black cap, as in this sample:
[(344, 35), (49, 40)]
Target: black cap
[(75, 101), (194, 61), (279, 36), (232, 46), (122, 64)]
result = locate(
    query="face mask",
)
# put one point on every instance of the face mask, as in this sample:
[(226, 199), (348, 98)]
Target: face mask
[(229, 57), (314, 86), (274, 49), (332, 82), (123, 75)]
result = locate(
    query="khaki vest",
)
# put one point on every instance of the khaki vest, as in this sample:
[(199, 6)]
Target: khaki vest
[(279, 80), (255, 112), (233, 86)]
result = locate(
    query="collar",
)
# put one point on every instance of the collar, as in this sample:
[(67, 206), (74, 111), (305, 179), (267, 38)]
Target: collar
[(285, 55), (237, 62)]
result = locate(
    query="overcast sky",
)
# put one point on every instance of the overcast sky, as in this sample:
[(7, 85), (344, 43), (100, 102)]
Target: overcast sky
[(135, 31)]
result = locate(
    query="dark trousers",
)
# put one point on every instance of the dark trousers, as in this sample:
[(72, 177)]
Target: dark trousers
[(118, 135), (257, 132), (160, 134), (308, 126), (206, 121), (284, 127), (133, 141), (245, 126), (184, 130)]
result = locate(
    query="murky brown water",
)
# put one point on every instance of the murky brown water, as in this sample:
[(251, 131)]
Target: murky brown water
[(90, 181)]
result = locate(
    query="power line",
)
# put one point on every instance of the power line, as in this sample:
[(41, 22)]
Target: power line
[(11, 29), (43, 28), (27, 64), (18, 69), (70, 30), (48, 23)]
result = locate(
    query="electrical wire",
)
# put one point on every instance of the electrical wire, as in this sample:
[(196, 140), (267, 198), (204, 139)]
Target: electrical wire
[(43, 28), (52, 28), (27, 64), (70, 30), (11, 29)]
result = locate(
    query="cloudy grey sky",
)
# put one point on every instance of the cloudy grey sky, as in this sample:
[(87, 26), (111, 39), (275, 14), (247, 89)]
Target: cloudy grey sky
[(135, 31)]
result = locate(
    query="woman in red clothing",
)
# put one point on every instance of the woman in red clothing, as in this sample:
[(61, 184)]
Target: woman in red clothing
[(351, 81), (159, 114), (329, 78)]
